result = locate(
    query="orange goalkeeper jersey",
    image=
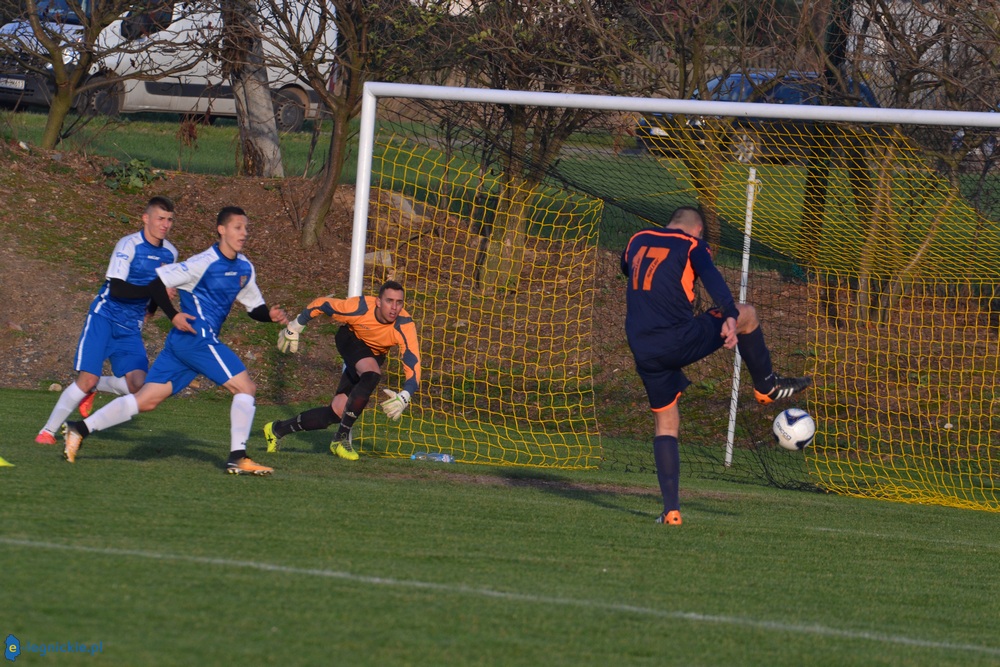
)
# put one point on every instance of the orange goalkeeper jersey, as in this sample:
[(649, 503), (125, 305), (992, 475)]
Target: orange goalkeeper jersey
[(359, 314)]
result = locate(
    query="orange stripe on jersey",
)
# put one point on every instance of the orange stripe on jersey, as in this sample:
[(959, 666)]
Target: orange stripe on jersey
[(687, 279)]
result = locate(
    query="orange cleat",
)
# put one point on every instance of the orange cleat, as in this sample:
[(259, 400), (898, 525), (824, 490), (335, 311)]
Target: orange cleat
[(87, 405), (45, 438), (73, 440), (245, 466), (671, 518)]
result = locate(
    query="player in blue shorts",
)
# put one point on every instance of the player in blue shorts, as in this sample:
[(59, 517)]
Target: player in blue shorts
[(665, 334), (113, 329), (208, 284)]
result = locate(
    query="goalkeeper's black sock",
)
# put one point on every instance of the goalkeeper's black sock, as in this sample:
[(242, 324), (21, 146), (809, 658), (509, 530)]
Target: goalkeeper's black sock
[(667, 456), (346, 422), (315, 419), (757, 357), (356, 402)]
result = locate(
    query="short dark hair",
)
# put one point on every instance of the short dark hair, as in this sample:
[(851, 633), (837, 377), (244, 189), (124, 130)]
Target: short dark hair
[(682, 212), (228, 212), (391, 284), (160, 201)]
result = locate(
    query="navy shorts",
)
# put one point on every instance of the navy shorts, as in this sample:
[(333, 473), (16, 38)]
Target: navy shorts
[(662, 375), (103, 339)]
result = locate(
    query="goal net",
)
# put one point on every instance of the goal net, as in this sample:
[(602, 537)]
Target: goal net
[(867, 239)]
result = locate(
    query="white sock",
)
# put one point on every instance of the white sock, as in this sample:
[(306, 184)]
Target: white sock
[(116, 412), (68, 400), (240, 421), (113, 385)]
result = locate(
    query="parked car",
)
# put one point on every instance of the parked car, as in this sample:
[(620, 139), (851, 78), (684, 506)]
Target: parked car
[(156, 37), (750, 139)]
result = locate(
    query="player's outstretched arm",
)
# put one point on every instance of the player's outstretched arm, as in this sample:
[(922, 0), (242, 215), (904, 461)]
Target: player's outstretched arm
[(265, 313)]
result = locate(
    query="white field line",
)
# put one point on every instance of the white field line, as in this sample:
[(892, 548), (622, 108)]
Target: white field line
[(515, 597)]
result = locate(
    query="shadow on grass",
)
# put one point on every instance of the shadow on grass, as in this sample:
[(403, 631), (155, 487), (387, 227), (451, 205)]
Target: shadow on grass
[(132, 445), (607, 495)]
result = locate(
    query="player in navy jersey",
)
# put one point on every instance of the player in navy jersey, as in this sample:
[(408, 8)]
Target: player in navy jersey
[(665, 334), (113, 328), (208, 284)]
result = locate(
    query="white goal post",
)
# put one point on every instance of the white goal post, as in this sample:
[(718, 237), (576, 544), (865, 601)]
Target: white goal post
[(374, 91), (870, 237)]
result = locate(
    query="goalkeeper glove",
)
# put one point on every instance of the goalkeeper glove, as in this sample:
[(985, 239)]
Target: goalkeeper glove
[(288, 339), (394, 406)]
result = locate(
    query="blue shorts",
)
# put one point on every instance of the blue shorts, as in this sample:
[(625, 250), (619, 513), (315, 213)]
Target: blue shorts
[(185, 356), (103, 339), (662, 375)]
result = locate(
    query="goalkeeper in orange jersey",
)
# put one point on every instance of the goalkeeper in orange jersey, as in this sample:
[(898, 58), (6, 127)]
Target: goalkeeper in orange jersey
[(369, 327)]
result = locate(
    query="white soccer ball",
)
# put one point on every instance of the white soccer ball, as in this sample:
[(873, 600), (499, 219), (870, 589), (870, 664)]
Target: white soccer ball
[(794, 429)]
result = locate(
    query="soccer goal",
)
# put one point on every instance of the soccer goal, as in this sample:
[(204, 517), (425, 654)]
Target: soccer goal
[(866, 238)]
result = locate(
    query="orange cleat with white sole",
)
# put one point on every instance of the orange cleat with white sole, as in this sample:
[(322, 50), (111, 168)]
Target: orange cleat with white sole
[(245, 466), (73, 440)]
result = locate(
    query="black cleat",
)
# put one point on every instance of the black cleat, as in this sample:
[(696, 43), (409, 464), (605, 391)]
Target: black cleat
[(783, 388)]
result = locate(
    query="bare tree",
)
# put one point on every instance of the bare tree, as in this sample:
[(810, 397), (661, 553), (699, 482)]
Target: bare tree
[(938, 54), (704, 39), (78, 51), (558, 46), (243, 64), (374, 38)]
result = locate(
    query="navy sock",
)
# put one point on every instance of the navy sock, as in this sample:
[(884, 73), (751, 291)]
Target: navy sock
[(668, 470), (757, 357)]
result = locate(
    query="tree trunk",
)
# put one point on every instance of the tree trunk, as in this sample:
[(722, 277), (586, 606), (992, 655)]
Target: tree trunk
[(705, 164), (505, 249), (59, 108), (244, 63), (319, 206)]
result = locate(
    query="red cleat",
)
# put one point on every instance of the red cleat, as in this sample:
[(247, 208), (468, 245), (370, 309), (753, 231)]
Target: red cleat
[(87, 404), (45, 438)]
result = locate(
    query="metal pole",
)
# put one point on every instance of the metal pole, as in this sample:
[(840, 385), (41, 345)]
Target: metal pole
[(744, 276)]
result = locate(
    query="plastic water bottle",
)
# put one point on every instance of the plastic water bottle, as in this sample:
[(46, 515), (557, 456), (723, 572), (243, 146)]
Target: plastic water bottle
[(440, 457)]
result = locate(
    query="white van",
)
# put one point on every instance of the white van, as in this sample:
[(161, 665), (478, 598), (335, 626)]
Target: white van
[(168, 45)]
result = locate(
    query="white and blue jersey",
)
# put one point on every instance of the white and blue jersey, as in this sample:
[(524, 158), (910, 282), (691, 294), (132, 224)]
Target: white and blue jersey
[(113, 329), (209, 283), (134, 260)]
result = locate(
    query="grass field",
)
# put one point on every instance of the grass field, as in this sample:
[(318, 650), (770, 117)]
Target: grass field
[(147, 550), (155, 138)]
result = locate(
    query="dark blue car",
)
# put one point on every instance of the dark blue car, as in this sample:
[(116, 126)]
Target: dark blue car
[(752, 139)]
